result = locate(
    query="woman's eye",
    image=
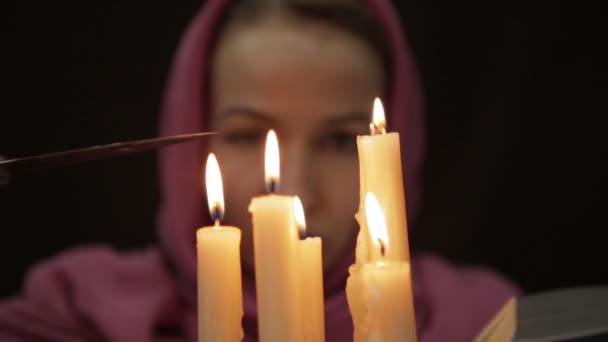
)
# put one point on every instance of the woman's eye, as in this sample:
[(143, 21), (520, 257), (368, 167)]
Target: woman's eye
[(345, 142)]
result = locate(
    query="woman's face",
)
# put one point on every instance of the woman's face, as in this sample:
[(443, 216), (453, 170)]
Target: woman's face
[(312, 83)]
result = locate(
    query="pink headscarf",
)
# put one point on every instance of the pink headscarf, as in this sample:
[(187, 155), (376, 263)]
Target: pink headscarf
[(95, 293), (185, 111)]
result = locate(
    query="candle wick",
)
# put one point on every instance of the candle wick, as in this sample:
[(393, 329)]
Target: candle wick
[(216, 214), (272, 186), (375, 130), (372, 128), (382, 247)]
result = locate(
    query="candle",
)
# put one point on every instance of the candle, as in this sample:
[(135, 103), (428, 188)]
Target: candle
[(380, 173), (310, 265), (220, 301), (386, 285), (275, 239)]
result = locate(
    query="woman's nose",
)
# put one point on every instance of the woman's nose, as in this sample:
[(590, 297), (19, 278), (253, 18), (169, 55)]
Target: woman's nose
[(298, 174)]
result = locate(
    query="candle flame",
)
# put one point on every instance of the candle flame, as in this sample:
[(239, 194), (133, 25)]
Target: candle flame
[(272, 161), (215, 192), (376, 222), (300, 217), (378, 124)]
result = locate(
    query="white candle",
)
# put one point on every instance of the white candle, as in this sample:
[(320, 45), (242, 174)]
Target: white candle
[(380, 173), (310, 266), (275, 239), (379, 292), (387, 285), (220, 300)]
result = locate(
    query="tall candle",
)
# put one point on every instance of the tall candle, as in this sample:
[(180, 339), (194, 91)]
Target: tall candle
[(380, 173), (386, 286), (310, 266), (220, 301), (275, 239)]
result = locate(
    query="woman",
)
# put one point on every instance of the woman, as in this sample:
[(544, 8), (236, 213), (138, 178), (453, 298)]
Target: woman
[(309, 69)]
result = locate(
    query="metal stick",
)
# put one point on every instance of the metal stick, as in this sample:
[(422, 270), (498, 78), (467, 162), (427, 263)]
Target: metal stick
[(9, 167)]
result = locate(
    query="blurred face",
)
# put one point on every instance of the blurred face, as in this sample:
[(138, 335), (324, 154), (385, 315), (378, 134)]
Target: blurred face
[(312, 83)]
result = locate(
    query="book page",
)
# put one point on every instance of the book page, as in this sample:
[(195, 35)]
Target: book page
[(503, 326)]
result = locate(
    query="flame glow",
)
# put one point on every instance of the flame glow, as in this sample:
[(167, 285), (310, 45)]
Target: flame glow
[(215, 192), (300, 217), (378, 119), (376, 222), (272, 162)]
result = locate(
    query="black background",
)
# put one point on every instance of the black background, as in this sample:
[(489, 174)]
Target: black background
[(514, 92)]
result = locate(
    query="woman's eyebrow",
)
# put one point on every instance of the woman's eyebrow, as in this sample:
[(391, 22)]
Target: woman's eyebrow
[(352, 117), (251, 113)]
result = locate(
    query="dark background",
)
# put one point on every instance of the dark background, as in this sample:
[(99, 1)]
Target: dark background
[(515, 91)]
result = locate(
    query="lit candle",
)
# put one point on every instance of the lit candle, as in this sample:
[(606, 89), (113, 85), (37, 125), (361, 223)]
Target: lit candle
[(380, 173), (220, 301), (275, 239), (387, 285), (310, 265)]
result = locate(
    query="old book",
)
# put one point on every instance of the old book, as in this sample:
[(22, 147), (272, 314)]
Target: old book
[(571, 314), (503, 326)]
